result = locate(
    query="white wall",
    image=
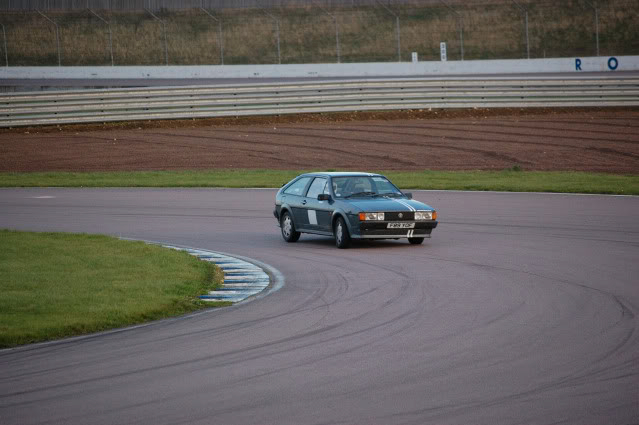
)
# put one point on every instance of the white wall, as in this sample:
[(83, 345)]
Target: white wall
[(434, 69)]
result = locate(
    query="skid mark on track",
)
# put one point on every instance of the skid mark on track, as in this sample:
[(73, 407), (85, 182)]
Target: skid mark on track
[(580, 135), (384, 144), (312, 147)]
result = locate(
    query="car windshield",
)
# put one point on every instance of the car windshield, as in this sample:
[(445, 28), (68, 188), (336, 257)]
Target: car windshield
[(354, 186)]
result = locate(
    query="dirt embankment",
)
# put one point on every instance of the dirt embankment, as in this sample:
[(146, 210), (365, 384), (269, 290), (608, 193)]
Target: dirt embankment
[(600, 140)]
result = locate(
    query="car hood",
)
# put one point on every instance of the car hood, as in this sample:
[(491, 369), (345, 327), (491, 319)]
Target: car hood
[(386, 204)]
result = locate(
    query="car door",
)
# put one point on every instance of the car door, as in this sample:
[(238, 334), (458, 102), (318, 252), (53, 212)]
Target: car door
[(294, 197), (319, 212)]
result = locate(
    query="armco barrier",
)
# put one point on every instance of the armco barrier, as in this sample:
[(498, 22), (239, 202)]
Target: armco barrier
[(83, 106)]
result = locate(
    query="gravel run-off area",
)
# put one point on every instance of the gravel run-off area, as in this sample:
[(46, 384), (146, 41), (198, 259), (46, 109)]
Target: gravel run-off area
[(595, 140)]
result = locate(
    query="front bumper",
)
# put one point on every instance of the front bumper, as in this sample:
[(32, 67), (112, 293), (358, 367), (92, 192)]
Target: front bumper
[(380, 230)]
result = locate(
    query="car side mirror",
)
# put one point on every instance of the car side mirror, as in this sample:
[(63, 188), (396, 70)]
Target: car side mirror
[(408, 195), (323, 197)]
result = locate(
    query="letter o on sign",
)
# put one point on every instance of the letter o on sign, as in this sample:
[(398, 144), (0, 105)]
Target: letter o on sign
[(613, 63)]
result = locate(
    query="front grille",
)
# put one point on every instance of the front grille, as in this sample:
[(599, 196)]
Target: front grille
[(394, 216)]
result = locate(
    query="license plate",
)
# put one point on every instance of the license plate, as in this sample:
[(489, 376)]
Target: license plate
[(400, 226)]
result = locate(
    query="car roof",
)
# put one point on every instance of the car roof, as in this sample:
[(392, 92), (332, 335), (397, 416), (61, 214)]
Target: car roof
[(341, 174)]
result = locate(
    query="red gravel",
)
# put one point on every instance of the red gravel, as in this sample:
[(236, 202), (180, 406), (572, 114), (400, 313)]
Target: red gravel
[(601, 140)]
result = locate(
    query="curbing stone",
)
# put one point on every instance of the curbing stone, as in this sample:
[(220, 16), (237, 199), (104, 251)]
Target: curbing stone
[(241, 278)]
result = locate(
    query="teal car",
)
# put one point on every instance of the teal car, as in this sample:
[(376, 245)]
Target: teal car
[(350, 206)]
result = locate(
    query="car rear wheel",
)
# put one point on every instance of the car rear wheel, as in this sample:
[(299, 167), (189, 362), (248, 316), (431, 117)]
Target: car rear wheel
[(415, 241), (342, 237), (288, 228)]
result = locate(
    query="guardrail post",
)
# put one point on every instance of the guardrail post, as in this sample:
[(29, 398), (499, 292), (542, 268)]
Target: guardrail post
[(166, 48), (525, 11), (595, 6), (397, 30), (6, 54), (108, 27), (337, 50), (219, 32), (57, 34), (277, 28), (461, 27)]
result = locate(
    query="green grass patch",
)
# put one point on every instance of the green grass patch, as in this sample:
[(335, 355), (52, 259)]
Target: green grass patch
[(56, 285), (512, 180), (209, 178), (519, 181)]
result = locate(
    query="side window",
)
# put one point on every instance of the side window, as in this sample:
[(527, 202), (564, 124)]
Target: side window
[(297, 188), (318, 186), (338, 187)]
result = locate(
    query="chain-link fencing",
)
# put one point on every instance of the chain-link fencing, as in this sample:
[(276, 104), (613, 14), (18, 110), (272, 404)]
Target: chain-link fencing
[(210, 32)]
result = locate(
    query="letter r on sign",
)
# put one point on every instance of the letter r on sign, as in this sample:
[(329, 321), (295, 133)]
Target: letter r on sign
[(577, 64)]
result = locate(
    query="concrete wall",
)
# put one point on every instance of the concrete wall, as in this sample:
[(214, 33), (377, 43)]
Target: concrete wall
[(359, 70)]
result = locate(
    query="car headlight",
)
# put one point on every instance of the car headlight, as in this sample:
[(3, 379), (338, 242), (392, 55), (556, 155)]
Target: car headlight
[(425, 215), (371, 216)]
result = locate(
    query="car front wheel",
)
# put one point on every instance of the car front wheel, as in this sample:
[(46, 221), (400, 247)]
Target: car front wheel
[(288, 228), (415, 241), (342, 237)]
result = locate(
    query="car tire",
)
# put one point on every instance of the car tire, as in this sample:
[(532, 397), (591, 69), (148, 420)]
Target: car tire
[(415, 241), (342, 237), (288, 228)]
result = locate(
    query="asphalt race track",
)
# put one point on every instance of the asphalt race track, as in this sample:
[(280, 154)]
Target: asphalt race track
[(522, 309)]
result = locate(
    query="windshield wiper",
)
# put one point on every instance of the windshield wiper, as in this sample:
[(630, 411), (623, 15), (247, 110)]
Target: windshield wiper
[(361, 194)]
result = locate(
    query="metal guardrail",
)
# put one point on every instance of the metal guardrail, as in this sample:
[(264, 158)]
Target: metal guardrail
[(86, 106)]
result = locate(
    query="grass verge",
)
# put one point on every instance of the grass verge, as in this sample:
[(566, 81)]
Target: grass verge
[(512, 180), (56, 285)]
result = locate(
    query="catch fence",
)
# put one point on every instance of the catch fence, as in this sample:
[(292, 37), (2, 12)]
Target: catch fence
[(210, 4), (223, 32)]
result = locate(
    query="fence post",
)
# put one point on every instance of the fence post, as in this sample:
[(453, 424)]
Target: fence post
[(277, 27), (461, 27), (337, 50), (397, 30), (6, 54), (595, 6), (525, 10), (108, 27), (57, 34), (219, 32), (166, 48)]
